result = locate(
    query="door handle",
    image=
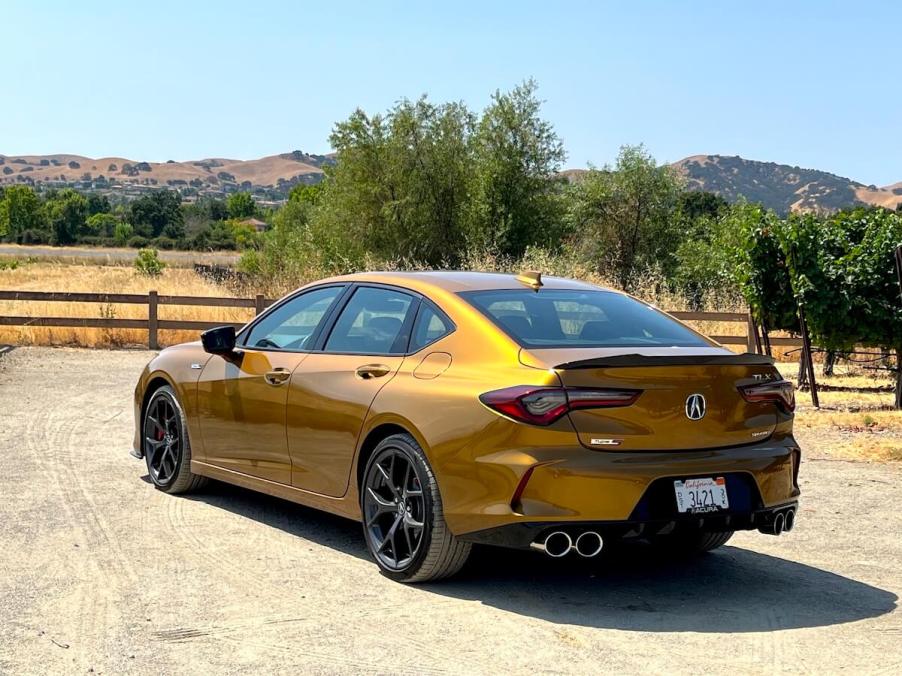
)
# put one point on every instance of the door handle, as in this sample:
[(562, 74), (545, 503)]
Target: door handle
[(368, 371), (277, 376)]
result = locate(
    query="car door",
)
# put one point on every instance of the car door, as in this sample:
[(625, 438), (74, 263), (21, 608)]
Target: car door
[(331, 391), (242, 397)]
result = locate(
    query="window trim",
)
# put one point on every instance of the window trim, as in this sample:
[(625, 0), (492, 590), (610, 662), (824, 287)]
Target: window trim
[(467, 295), (441, 314), (244, 334), (327, 323), (414, 309)]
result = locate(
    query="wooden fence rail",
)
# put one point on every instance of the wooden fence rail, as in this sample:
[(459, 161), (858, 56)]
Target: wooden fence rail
[(153, 324)]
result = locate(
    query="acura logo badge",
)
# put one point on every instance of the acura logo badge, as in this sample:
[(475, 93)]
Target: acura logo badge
[(695, 407)]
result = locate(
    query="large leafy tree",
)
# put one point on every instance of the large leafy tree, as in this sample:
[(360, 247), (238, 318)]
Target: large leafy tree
[(516, 190), (624, 218), (20, 212), (399, 187), (241, 205), (66, 212), (158, 214)]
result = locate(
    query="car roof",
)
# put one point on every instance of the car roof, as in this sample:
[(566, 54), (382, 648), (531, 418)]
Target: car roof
[(456, 281)]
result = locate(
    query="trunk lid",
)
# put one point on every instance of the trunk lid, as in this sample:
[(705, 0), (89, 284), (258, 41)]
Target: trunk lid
[(666, 414)]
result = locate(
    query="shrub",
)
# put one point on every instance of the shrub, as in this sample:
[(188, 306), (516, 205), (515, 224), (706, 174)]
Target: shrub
[(137, 242), (164, 243), (148, 263), (122, 233)]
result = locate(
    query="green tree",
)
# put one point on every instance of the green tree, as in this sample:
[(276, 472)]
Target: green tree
[(100, 224), (516, 159), (399, 187), (20, 212), (98, 204), (158, 214), (241, 205), (122, 233), (66, 212), (761, 269), (624, 219), (843, 272)]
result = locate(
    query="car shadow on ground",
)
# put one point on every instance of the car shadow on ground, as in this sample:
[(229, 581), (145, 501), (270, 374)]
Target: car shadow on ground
[(632, 588), (314, 525), (636, 589)]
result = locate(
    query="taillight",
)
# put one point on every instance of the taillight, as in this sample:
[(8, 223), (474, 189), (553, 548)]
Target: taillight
[(779, 392), (544, 405)]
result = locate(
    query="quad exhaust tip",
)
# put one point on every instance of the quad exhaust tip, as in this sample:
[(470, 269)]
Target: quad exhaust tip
[(779, 523), (789, 521), (558, 544), (589, 544), (783, 522)]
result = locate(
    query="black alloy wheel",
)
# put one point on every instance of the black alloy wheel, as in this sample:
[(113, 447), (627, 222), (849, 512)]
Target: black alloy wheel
[(394, 509)]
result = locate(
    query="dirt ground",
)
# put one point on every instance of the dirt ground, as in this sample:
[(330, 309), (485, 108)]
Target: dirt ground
[(101, 573)]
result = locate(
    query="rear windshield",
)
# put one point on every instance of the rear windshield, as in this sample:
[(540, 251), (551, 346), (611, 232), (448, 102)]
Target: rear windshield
[(556, 318)]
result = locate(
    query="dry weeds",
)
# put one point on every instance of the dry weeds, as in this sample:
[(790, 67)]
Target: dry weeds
[(106, 279)]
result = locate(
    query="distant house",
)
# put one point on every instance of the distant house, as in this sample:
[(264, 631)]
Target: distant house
[(255, 223)]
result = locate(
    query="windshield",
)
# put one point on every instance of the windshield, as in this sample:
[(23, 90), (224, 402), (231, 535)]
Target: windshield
[(560, 318)]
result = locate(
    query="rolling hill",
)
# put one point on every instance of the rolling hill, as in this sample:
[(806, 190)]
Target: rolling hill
[(275, 174), (780, 187)]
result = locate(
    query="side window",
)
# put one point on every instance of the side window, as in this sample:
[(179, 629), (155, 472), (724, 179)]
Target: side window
[(429, 327), (292, 326), (372, 323)]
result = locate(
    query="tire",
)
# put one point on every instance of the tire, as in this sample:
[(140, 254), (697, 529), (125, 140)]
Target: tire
[(170, 439), (693, 542), (400, 503)]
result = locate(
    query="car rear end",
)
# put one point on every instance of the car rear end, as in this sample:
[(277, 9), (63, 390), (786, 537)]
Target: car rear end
[(668, 432)]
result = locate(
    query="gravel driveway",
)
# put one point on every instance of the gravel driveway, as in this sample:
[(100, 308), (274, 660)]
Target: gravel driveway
[(100, 572)]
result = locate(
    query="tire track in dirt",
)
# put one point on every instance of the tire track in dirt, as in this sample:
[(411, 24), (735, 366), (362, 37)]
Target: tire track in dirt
[(172, 518), (48, 433)]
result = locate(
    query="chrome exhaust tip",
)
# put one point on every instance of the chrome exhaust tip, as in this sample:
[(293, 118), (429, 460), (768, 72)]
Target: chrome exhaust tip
[(779, 523), (589, 544), (789, 521), (556, 545)]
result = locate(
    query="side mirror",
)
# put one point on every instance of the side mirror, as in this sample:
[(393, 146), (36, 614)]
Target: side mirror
[(220, 340)]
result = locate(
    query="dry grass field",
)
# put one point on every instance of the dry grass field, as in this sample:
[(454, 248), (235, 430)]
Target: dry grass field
[(106, 279)]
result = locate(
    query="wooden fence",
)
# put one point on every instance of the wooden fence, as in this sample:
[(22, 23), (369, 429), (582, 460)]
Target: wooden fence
[(153, 324)]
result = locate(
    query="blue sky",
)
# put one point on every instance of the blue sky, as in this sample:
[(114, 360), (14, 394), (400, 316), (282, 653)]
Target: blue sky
[(809, 83)]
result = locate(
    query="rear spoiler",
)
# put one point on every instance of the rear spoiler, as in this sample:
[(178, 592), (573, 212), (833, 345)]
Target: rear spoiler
[(747, 359)]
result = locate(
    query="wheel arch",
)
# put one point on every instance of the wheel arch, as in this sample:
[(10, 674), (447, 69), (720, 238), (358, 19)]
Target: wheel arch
[(156, 381), (378, 431)]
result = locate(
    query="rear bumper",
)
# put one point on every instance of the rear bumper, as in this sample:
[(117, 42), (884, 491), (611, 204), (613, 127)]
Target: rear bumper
[(625, 490), (522, 535)]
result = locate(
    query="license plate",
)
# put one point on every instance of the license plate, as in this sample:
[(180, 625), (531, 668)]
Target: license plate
[(701, 495)]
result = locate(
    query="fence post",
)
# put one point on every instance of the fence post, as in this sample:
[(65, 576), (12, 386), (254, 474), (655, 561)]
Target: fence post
[(751, 343), (152, 321), (260, 303)]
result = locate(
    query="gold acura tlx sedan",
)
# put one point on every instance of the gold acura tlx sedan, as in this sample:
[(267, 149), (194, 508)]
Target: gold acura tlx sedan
[(443, 409)]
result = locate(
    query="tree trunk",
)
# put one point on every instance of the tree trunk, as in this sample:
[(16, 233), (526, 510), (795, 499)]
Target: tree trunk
[(899, 377), (829, 362)]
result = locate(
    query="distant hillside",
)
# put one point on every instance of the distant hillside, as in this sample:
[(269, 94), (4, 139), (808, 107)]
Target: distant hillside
[(271, 176), (781, 187), (777, 186)]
